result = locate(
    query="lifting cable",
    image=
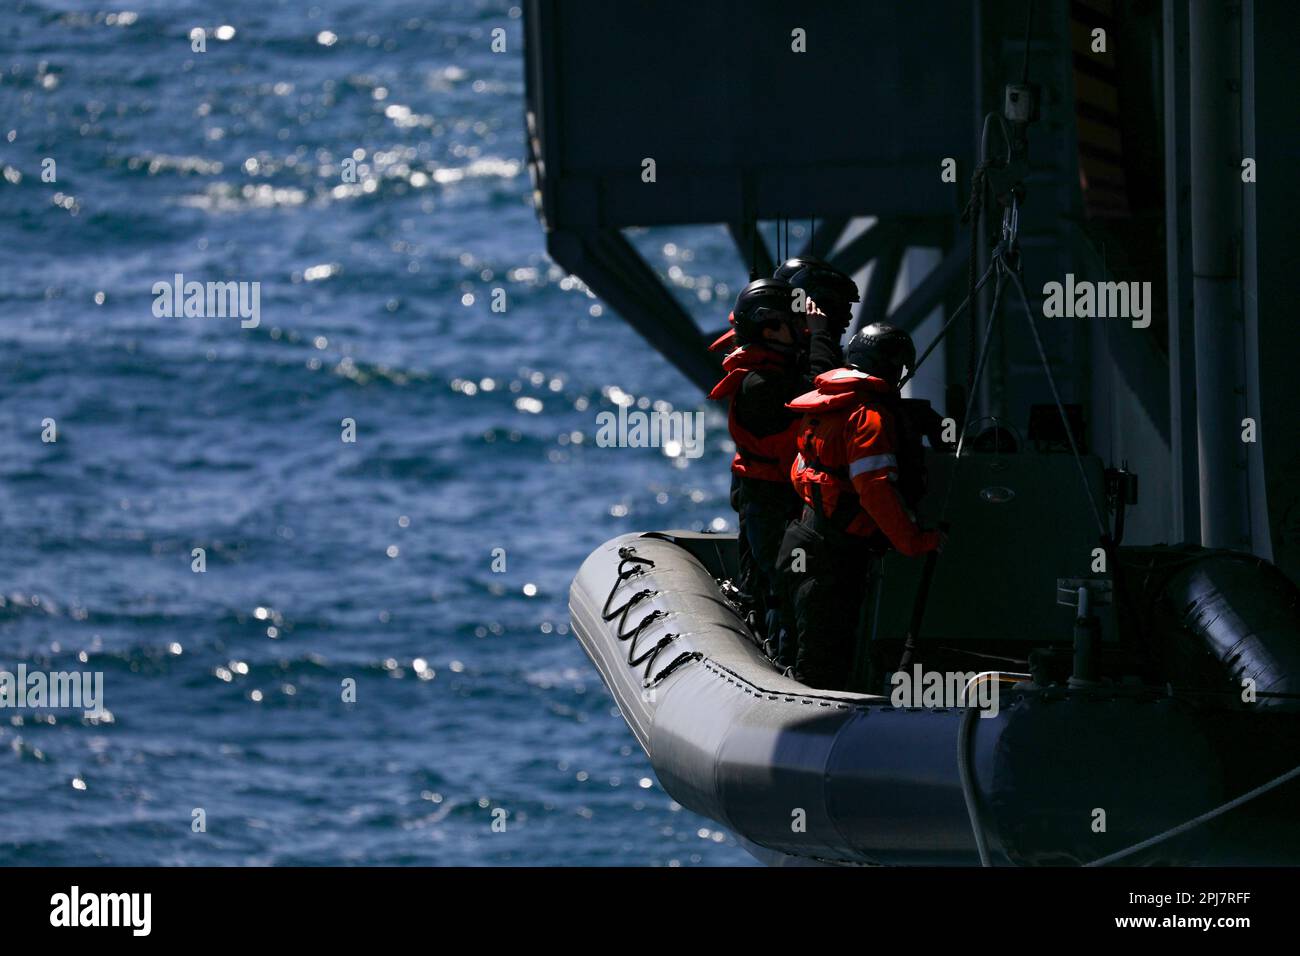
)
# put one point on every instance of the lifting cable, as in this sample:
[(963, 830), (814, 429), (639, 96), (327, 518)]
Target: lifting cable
[(1005, 250), (1006, 271), (1006, 264), (1056, 395), (978, 373), (1191, 824), (957, 313), (932, 559)]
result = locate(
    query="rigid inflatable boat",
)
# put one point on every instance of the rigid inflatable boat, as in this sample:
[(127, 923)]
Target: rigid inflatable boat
[(1161, 728)]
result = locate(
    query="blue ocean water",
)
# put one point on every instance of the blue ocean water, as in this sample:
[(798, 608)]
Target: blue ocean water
[(325, 560)]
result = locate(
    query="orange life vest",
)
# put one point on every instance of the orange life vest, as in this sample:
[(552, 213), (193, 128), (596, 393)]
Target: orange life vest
[(764, 457), (847, 463)]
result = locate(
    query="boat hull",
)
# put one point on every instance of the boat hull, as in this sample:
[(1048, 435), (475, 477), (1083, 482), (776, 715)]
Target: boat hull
[(1057, 776)]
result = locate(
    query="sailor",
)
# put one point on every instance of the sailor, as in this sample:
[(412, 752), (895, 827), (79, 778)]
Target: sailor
[(830, 290), (859, 472), (778, 352)]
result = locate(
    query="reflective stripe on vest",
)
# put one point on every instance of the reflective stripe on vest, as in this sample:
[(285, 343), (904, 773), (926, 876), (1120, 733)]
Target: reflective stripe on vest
[(872, 463)]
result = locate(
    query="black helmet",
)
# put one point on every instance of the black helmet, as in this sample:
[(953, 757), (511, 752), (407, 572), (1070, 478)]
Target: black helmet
[(813, 276), (761, 304), (831, 289), (882, 350)]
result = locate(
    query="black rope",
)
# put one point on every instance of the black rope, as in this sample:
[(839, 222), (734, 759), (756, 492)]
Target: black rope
[(648, 658), (608, 615), (627, 608), (646, 621), (650, 655), (629, 566), (683, 658), (627, 556)]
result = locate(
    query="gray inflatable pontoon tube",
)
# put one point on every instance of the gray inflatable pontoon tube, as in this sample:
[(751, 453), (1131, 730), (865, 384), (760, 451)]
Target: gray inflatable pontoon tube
[(803, 775)]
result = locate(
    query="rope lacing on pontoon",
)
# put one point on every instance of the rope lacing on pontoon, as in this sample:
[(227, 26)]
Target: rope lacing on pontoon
[(627, 556), (629, 566)]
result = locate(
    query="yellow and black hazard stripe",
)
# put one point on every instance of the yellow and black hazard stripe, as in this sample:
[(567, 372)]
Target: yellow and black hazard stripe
[(1097, 111)]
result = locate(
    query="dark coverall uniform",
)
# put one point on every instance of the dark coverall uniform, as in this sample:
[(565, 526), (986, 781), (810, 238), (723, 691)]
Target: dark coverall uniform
[(854, 457), (759, 383)]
